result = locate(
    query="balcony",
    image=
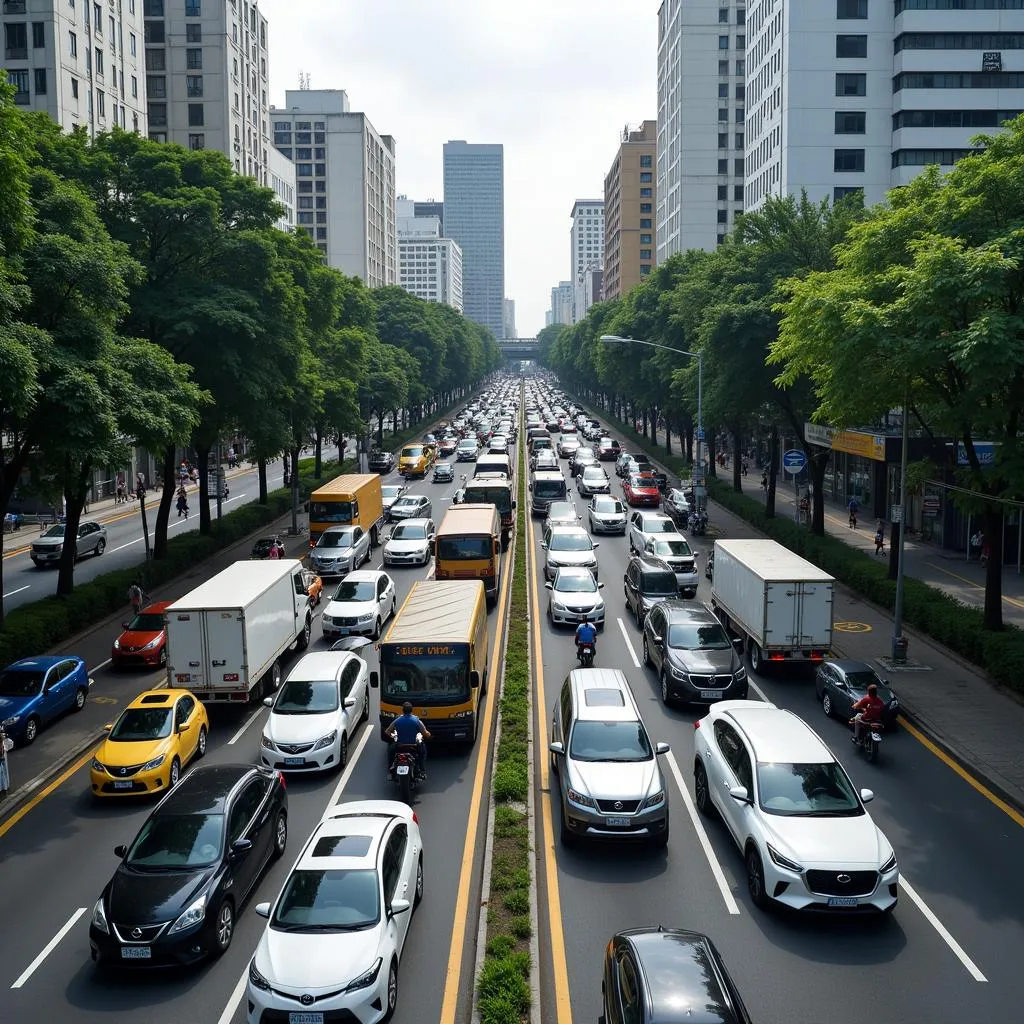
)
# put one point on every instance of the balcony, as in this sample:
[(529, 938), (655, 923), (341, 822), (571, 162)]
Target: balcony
[(14, 6), (16, 52), (22, 99)]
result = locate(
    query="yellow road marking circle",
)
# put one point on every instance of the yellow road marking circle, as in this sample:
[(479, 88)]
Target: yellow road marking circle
[(852, 627)]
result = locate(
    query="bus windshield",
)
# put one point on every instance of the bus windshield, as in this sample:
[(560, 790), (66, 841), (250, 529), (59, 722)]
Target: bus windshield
[(411, 672), (549, 488), (463, 548), (330, 511)]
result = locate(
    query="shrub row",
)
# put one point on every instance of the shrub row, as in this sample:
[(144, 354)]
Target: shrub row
[(503, 990)]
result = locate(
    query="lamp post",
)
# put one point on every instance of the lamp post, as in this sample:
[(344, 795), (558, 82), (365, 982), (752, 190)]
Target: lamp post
[(698, 476), (899, 643)]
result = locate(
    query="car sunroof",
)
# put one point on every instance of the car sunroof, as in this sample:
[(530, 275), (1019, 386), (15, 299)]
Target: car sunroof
[(603, 697), (342, 846)]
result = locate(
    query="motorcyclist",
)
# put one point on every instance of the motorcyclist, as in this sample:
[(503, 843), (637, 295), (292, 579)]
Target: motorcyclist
[(869, 712), (586, 633), (405, 729)]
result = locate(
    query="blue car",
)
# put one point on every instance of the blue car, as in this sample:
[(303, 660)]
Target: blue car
[(35, 691)]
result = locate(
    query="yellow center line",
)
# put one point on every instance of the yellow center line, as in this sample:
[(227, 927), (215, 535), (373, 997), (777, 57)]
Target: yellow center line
[(975, 586), (987, 793), (560, 971), (456, 952)]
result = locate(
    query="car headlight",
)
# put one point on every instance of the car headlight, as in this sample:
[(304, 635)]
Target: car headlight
[(191, 917), (13, 720), (154, 763), (99, 918), (740, 674), (653, 800), (256, 979), (889, 865), (117, 644), (326, 741), (579, 798), (365, 618), (367, 978), (265, 741), (98, 766), (783, 862), (558, 606), (152, 644)]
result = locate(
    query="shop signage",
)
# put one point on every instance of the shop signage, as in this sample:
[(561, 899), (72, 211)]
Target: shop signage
[(984, 450), (991, 61), (853, 442), (815, 433)]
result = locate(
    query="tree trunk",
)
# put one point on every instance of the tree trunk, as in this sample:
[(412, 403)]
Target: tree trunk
[(203, 464), (737, 462), (994, 569), (163, 512), (261, 475), (74, 499), (668, 434), (816, 471), (318, 457), (773, 462)]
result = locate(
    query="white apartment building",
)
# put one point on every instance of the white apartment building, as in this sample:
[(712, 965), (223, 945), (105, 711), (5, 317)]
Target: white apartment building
[(701, 116), (509, 316), (429, 266), (281, 172), (81, 63), (586, 248), (562, 297), (848, 95), (345, 182), (206, 78)]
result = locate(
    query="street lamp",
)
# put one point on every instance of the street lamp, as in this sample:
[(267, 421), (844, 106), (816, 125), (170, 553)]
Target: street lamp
[(699, 356)]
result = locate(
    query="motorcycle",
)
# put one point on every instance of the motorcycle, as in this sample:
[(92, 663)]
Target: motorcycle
[(585, 655), (698, 524), (870, 740), (404, 767), (709, 565)]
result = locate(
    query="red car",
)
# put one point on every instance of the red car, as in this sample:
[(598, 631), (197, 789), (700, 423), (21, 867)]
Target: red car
[(608, 449), (144, 640), (640, 489)]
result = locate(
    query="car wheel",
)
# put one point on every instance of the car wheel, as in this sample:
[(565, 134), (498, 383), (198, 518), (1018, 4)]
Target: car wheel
[(755, 878), (826, 704), (174, 774), (162, 660), (223, 928), (701, 792), (201, 743), (280, 834), (100, 545), (418, 891), (647, 653), (376, 628), (31, 731), (392, 990), (80, 698), (394, 606), (666, 696), (343, 750), (755, 657)]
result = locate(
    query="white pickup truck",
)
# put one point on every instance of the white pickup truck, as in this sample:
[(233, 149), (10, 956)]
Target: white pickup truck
[(226, 638)]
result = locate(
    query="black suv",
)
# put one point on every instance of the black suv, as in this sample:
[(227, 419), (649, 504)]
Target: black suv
[(380, 462), (696, 660), (648, 580)]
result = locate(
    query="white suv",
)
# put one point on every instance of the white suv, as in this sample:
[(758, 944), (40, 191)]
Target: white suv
[(808, 842), (645, 525)]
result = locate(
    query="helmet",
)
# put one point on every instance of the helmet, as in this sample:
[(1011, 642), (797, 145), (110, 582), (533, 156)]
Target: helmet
[(407, 708)]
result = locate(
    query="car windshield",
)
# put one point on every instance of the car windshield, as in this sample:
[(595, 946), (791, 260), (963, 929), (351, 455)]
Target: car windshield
[(147, 622), (137, 724), (609, 741), (672, 548), (806, 790), (391, 490), (171, 842), (575, 583), (408, 502), (549, 488), (328, 901), (20, 682), (660, 584), (463, 548), (413, 451), (609, 506), (635, 481), (54, 531), (593, 473), (693, 636), (569, 542), (659, 526), (584, 453), (414, 531), (355, 590), (466, 443), (335, 540), (861, 679), (307, 697)]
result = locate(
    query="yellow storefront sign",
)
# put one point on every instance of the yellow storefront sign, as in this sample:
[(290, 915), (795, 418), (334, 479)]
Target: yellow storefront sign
[(853, 442)]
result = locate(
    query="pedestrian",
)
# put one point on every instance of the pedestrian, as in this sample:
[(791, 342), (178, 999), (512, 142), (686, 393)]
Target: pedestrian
[(136, 597), (977, 542), (746, 466), (879, 538), (6, 744), (854, 506), (275, 549), (764, 481)]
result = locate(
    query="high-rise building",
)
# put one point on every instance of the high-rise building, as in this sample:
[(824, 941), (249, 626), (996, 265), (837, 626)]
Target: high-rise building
[(586, 248), (345, 182), (430, 208), (80, 63), (281, 173), (562, 296), (701, 116), (206, 78), (429, 266), (474, 215), (509, 309), (833, 111), (629, 211)]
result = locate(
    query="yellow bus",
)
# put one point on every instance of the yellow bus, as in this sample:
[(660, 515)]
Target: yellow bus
[(352, 499), (435, 655), (468, 546)]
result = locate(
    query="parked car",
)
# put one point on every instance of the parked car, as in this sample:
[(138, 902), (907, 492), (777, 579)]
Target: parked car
[(606, 514), (339, 925), (646, 581), (674, 549), (593, 480), (360, 605), (315, 713), (390, 493), (213, 835), (47, 547), (807, 839), (411, 506), (839, 684), (575, 594), (638, 490), (380, 461), (444, 473), (645, 525), (339, 550), (36, 691), (153, 740), (144, 640), (411, 542), (569, 546)]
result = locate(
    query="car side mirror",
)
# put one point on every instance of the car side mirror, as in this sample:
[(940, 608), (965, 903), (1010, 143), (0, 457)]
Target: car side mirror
[(374, 680), (268, 702), (124, 625), (184, 727), (515, 504), (600, 586), (240, 847), (549, 585), (556, 747), (661, 748), (108, 727), (658, 639), (120, 850), (262, 909), (544, 544), (737, 642), (596, 544), (398, 907), (350, 702), (474, 679), (867, 795), (739, 794)]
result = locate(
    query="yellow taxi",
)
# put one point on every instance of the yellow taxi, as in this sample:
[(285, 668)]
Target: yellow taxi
[(416, 459), (150, 744)]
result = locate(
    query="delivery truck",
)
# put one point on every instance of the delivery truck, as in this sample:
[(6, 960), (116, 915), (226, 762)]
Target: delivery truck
[(780, 603), (226, 639), (352, 499)]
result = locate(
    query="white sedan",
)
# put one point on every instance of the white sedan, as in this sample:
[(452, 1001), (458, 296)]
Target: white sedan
[(410, 543), (575, 593), (336, 932), (360, 605), (315, 713)]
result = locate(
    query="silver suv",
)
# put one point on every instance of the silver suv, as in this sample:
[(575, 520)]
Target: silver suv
[(609, 782)]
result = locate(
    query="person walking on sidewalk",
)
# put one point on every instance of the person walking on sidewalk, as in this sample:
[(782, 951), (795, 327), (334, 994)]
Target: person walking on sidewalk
[(879, 538), (136, 597), (764, 481), (854, 506)]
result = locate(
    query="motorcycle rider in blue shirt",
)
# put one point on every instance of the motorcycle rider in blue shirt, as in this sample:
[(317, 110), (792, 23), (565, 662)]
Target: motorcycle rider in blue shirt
[(405, 729), (586, 633)]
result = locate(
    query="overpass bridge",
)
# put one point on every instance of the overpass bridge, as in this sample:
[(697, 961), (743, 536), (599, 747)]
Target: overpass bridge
[(519, 348)]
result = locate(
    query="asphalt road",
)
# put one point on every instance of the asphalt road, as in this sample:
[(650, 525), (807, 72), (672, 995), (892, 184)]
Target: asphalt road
[(59, 855), (959, 853)]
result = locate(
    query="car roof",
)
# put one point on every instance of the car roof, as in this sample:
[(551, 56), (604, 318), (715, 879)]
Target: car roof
[(653, 515), (670, 536), (40, 661), (320, 665), (413, 497), (414, 521), (548, 474), (651, 563), (573, 570), (369, 575), (686, 611), (850, 665), (340, 529), (206, 789), (156, 607), (777, 735), (364, 833), (159, 698), (575, 531), (602, 680)]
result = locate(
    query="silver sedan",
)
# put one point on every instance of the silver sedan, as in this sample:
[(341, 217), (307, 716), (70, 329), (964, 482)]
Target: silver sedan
[(47, 548)]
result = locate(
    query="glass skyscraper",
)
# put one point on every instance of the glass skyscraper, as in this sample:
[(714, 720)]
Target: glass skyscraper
[(474, 215)]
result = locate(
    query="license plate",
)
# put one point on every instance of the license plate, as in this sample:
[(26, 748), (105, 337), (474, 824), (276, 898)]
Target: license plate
[(843, 901), (402, 769), (182, 677), (122, 785), (616, 821), (136, 952), (305, 1018), (294, 760), (711, 694)]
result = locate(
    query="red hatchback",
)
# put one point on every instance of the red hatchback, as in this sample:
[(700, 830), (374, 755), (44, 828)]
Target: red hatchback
[(144, 640), (640, 489)]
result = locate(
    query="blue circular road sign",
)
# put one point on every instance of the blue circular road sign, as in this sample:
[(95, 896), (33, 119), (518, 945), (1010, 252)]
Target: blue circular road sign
[(794, 460)]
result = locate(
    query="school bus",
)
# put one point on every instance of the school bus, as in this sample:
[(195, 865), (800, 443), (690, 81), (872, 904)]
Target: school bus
[(353, 499), (435, 655), (468, 546)]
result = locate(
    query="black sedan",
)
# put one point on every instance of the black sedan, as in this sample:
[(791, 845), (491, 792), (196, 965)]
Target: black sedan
[(175, 895), (670, 976), (840, 684)]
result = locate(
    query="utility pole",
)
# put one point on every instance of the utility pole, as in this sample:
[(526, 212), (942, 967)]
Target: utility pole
[(140, 493), (218, 477)]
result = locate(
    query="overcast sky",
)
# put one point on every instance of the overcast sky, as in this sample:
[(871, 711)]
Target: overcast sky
[(555, 81)]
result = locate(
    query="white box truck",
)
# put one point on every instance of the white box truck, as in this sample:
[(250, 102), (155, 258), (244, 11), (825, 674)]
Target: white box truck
[(780, 603), (226, 638)]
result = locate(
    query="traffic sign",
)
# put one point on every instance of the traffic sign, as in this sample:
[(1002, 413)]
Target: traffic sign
[(794, 460), (700, 433), (931, 506)]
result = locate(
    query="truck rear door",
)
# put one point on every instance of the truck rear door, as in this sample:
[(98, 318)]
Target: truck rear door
[(227, 667), (798, 614), (186, 649), (815, 614)]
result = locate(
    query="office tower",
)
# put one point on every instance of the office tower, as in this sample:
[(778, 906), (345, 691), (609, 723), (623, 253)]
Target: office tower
[(81, 63), (429, 266), (430, 208), (562, 296), (586, 247), (509, 309), (345, 182), (474, 216), (701, 115), (206, 78), (629, 211)]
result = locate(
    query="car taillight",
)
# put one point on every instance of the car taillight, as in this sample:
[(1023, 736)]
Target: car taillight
[(415, 818), (696, 724)]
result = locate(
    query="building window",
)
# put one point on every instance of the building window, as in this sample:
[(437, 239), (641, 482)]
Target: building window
[(723, 140), (153, 8), (740, 92), (723, 42), (320, 153), (73, 44), (723, 90), (194, 59), (645, 240), (959, 41), (849, 10), (302, 138), (851, 122), (723, 67), (193, 8), (154, 32), (197, 141), (19, 80), (304, 218), (321, 218), (285, 151), (851, 46), (132, 43), (97, 19), (157, 115), (38, 35), (741, 42), (723, 216), (99, 62), (645, 192), (193, 33), (321, 202), (306, 203), (723, 166), (737, 166), (320, 170), (74, 88), (135, 86), (195, 115), (851, 84), (320, 137), (156, 60), (723, 191), (741, 16), (924, 157), (40, 81), (645, 176), (723, 113), (645, 269), (849, 160), (304, 154), (737, 193), (194, 85), (739, 139), (156, 87), (741, 67), (645, 254), (645, 222), (740, 114), (304, 170), (952, 118), (842, 191), (645, 159), (723, 15), (101, 103)]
